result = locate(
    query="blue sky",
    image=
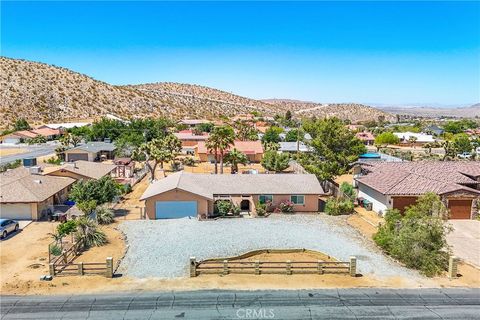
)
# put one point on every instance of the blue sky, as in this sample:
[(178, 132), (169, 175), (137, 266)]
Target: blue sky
[(370, 52)]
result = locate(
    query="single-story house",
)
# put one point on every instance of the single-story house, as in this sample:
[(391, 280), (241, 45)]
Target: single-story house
[(398, 184), (420, 138), (293, 147), (366, 137), (192, 123), (187, 194), (91, 151), (26, 194), (82, 169), (190, 140), (252, 149), (23, 135), (435, 130)]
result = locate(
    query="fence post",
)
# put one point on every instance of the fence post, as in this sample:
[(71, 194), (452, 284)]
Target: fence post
[(80, 268), (193, 267), (289, 267), (353, 266), (452, 267), (51, 269), (257, 267), (320, 267), (225, 267), (109, 272)]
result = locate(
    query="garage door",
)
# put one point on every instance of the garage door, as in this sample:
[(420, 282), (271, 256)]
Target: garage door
[(460, 209), (401, 203), (77, 156), (16, 211), (175, 209)]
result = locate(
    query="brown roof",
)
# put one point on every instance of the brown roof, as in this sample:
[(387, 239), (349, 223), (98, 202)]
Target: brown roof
[(46, 132), (414, 178), (93, 170), (247, 147), (365, 136), (19, 185)]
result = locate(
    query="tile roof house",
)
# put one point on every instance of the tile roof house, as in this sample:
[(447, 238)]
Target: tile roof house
[(192, 123), (81, 170), (366, 137), (252, 149), (186, 194), (398, 184), (21, 136), (190, 140), (26, 194), (91, 151)]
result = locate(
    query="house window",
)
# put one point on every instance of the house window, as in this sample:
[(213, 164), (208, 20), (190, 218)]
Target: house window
[(297, 199), (264, 198)]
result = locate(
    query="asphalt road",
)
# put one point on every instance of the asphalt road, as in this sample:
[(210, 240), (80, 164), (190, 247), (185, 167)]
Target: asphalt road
[(32, 152), (304, 304)]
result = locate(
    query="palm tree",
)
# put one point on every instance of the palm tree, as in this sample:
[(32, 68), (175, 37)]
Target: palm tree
[(235, 157), (220, 139)]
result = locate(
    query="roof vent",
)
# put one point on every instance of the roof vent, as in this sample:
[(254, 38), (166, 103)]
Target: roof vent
[(35, 170), (37, 181)]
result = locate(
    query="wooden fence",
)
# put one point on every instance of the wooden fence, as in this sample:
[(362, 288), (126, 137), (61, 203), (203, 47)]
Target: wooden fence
[(226, 266), (82, 268)]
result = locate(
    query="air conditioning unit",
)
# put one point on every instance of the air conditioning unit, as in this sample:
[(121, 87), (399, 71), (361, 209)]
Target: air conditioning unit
[(35, 170)]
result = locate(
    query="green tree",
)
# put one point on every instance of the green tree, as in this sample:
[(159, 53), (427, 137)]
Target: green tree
[(220, 139), (37, 140), (334, 148), (70, 140), (273, 161), (205, 127), (294, 135), (89, 234), (101, 191), (417, 238), (128, 142), (21, 124), (462, 143), (272, 135), (288, 115), (244, 131), (235, 157), (386, 138)]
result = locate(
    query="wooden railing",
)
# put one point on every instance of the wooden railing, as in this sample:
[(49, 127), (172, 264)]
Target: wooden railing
[(233, 265), (82, 268)]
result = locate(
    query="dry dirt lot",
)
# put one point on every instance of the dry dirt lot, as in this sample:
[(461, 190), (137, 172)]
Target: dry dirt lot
[(11, 151)]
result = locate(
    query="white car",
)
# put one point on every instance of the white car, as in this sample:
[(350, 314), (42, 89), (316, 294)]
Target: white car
[(464, 155)]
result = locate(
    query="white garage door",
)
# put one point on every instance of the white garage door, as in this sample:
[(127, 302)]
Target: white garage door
[(17, 211)]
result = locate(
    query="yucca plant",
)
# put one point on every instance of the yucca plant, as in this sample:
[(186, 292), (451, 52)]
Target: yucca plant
[(104, 215), (89, 234)]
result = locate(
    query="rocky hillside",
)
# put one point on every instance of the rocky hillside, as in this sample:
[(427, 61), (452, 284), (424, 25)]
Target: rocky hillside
[(44, 93), (463, 112)]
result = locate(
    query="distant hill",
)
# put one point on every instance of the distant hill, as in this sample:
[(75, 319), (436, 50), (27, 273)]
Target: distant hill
[(44, 93), (461, 112)]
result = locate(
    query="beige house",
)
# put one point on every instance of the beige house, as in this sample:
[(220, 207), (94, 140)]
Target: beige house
[(25, 194), (185, 194), (91, 151), (82, 170), (252, 149)]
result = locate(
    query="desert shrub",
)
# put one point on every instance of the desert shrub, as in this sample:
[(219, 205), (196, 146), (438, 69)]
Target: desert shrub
[(235, 209), (104, 215), (87, 206), (347, 190), (126, 188), (222, 207), (188, 161), (417, 238), (286, 206), (338, 206), (55, 250), (66, 228), (54, 160), (89, 234), (261, 209)]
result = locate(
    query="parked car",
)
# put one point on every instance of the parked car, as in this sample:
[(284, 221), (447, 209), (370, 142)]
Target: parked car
[(7, 226), (465, 155)]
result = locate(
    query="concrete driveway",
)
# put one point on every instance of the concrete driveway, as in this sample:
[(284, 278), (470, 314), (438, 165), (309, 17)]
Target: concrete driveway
[(465, 240)]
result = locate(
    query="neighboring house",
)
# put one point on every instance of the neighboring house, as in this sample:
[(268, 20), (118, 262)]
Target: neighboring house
[(186, 194), (293, 147), (81, 169), (366, 137), (398, 184), (190, 140), (192, 123), (473, 132), (25, 194), (24, 135), (65, 125), (355, 127), (91, 151), (421, 138), (252, 149), (435, 130)]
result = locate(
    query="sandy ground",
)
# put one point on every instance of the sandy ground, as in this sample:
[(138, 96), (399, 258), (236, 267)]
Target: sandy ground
[(11, 151), (206, 167), (348, 178)]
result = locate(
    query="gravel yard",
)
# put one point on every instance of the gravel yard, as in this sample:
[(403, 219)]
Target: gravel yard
[(161, 248)]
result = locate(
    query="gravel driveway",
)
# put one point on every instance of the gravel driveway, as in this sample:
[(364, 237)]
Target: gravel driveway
[(465, 240), (161, 248)]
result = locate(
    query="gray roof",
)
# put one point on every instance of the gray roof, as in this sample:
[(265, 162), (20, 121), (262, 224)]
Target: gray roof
[(292, 147), (87, 169), (19, 185), (95, 146), (208, 185)]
